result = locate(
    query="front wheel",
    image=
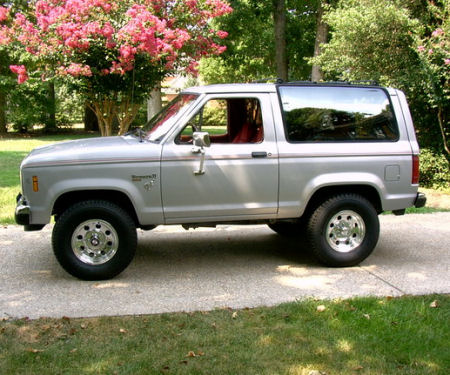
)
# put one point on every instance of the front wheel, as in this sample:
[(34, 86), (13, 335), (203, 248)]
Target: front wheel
[(344, 230), (94, 240)]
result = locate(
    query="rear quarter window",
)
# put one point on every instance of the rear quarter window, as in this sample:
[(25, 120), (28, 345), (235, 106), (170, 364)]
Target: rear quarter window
[(342, 114)]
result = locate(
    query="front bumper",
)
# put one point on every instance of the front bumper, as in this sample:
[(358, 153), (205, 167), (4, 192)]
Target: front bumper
[(22, 215), (23, 212)]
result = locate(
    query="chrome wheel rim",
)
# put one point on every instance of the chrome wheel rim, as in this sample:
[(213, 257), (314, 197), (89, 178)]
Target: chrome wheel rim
[(345, 231), (95, 242)]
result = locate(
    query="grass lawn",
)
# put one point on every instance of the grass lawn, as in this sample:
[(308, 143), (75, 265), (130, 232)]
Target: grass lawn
[(12, 151), (408, 335)]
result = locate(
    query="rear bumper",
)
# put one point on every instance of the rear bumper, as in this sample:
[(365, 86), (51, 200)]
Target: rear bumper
[(420, 201), (22, 215)]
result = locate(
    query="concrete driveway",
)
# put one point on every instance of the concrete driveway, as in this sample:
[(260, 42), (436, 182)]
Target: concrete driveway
[(231, 266)]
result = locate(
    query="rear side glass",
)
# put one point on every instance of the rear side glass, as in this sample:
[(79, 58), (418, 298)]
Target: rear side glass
[(321, 114)]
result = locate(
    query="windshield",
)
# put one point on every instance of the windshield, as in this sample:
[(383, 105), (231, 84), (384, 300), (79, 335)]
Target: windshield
[(162, 122)]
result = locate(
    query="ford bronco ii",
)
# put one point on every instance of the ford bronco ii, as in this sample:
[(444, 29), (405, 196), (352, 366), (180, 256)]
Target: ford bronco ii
[(318, 162)]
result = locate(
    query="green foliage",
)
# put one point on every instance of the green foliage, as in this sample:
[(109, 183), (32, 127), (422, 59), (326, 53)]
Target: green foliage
[(250, 45), (434, 170), (27, 106), (370, 40), (69, 106), (434, 53), (395, 43)]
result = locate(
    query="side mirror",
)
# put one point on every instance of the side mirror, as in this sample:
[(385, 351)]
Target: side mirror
[(201, 139)]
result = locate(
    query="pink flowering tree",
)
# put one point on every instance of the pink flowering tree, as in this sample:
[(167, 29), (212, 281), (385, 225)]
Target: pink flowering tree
[(113, 52), (434, 53)]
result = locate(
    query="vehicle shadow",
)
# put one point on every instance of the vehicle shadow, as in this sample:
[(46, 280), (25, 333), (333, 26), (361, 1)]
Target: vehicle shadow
[(197, 251)]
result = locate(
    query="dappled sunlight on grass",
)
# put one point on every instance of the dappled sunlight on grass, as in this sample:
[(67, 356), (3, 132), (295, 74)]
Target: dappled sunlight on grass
[(400, 335)]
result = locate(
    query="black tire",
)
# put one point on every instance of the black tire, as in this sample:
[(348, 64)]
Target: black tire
[(94, 240), (343, 231), (288, 228)]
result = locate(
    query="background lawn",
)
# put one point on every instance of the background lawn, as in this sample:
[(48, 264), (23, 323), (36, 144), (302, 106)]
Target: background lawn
[(12, 151)]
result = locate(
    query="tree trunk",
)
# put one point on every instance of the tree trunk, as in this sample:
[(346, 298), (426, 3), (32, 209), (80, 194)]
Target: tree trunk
[(90, 119), (3, 121), (321, 38), (50, 126), (279, 18), (108, 111), (154, 103), (441, 120)]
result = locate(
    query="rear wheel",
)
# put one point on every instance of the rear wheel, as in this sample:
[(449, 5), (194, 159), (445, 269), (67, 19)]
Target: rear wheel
[(344, 230), (94, 240)]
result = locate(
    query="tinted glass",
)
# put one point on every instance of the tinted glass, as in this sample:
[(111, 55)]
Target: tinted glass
[(162, 122), (320, 114)]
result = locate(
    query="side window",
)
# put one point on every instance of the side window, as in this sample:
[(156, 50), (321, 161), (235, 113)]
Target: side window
[(231, 120), (320, 114)]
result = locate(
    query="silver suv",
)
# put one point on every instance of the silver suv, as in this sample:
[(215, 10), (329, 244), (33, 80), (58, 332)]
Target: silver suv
[(313, 161)]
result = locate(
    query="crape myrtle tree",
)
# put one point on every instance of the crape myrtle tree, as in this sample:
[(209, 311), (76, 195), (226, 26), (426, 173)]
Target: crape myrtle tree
[(113, 52)]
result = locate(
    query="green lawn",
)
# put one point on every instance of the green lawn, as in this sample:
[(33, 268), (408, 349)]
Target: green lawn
[(12, 151), (408, 335)]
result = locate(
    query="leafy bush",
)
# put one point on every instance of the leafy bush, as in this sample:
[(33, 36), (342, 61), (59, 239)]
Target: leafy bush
[(434, 170)]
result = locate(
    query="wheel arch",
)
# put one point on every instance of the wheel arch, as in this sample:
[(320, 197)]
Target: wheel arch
[(322, 194), (119, 198)]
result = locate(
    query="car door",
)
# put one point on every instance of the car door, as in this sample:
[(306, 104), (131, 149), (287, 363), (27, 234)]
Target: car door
[(239, 178)]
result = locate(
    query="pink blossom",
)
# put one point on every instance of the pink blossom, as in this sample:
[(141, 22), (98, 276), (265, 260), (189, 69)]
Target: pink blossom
[(193, 68), (167, 33), (221, 34), (116, 68), (18, 69), (21, 72), (437, 32), (127, 52), (22, 78), (5, 35), (76, 70), (421, 48), (220, 8), (191, 3), (107, 31), (430, 51), (4, 12), (446, 61)]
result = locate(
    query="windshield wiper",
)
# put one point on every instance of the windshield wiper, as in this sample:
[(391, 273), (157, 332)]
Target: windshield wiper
[(138, 132)]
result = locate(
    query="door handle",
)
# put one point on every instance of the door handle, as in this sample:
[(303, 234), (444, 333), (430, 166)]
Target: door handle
[(259, 154)]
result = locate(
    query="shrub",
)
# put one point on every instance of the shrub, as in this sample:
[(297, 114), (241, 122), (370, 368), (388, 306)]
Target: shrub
[(434, 170)]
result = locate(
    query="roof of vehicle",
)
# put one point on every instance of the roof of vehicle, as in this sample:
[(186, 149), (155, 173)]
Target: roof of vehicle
[(272, 87), (232, 88)]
